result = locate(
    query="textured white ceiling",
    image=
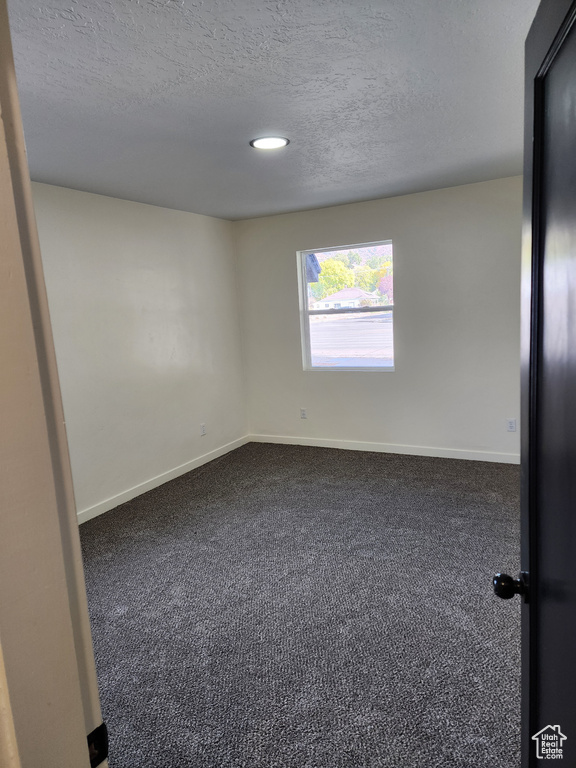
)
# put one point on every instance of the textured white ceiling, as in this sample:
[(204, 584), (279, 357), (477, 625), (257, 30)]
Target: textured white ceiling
[(156, 100)]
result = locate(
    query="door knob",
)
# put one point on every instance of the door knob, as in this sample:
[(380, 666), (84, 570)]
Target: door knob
[(506, 587)]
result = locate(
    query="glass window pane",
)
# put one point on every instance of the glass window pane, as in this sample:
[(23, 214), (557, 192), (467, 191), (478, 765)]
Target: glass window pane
[(355, 340), (351, 277)]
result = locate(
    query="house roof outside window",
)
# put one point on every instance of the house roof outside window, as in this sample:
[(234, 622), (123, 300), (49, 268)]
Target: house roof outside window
[(348, 294)]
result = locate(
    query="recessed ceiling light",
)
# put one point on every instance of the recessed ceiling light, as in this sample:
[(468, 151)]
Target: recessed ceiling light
[(269, 142)]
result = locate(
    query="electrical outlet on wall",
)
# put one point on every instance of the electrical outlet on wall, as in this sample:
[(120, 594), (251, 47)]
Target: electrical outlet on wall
[(303, 413), (202, 429), (511, 425)]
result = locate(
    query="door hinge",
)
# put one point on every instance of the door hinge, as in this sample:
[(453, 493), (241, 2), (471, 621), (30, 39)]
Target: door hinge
[(98, 745)]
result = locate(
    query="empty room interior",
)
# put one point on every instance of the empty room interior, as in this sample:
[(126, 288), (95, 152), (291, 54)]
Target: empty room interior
[(290, 376)]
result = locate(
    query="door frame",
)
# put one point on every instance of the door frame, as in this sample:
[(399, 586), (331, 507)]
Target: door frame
[(49, 699)]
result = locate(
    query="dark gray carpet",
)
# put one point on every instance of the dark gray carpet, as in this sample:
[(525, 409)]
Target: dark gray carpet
[(291, 607)]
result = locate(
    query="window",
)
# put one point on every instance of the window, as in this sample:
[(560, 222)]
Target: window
[(347, 307)]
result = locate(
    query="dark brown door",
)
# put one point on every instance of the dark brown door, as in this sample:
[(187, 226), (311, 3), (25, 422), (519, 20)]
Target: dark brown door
[(549, 390)]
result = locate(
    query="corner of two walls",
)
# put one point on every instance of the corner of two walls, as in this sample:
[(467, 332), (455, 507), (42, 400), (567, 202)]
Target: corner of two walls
[(165, 320)]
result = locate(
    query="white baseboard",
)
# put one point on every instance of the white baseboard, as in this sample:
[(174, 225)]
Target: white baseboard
[(131, 493), (350, 445), (412, 450)]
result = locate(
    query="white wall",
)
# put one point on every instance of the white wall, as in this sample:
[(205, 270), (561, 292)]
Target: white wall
[(456, 326), (143, 302), (144, 307)]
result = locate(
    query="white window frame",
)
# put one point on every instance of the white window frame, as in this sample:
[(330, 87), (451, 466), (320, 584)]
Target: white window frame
[(305, 312)]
